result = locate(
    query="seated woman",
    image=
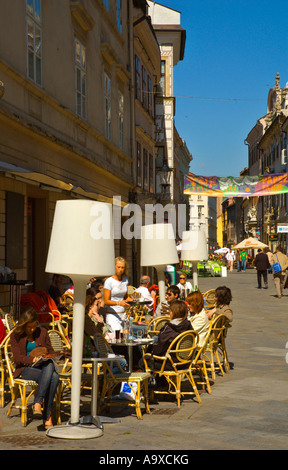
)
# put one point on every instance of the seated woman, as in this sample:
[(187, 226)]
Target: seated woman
[(223, 298), (28, 343), (94, 323), (178, 324), (199, 320)]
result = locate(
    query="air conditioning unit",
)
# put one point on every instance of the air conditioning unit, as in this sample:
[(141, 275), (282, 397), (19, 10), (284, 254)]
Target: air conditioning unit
[(283, 156)]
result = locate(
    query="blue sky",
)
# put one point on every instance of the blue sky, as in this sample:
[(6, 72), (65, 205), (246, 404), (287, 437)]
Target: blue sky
[(234, 48)]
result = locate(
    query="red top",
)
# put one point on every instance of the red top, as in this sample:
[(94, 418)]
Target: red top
[(2, 331)]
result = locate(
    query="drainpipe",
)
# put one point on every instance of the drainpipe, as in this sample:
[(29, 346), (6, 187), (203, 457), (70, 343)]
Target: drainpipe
[(132, 126)]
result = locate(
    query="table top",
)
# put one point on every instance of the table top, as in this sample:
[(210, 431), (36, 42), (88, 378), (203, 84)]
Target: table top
[(103, 359), (134, 342), (139, 302)]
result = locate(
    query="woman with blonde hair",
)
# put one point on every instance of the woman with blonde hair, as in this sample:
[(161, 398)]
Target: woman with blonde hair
[(115, 296), (199, 319)]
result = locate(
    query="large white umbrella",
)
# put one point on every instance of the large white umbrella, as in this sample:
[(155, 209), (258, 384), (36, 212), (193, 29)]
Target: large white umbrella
[(222, 250), (250, 243)]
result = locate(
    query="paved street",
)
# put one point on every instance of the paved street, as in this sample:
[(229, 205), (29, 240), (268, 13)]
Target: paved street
[(247, 409)]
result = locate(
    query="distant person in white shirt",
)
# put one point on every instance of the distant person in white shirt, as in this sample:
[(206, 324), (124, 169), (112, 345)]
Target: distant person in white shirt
[(184, 286), (144, 291), (230, 257)]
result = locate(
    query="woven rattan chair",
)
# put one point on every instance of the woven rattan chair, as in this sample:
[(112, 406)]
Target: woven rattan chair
[(155, 325), (110, 380), (18, 387), (3, 371), (209, 299), (9, 322), (215, 350), (181, 360)]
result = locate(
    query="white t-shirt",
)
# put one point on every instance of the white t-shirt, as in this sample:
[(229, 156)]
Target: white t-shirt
[(187, 286), (115, 313), (146, 295)]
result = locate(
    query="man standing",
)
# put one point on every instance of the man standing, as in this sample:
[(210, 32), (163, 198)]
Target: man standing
[(144, 291), (262, 265), (279, 257), (184, 286)]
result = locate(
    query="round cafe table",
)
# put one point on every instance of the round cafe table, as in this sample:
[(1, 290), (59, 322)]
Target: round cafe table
[(94, 418)]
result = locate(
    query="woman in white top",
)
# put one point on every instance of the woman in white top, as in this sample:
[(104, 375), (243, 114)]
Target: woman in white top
[(198, 319), (115, 293)]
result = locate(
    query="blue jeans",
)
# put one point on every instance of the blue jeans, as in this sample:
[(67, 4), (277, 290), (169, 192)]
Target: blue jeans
[(47, 378), (243, 262)]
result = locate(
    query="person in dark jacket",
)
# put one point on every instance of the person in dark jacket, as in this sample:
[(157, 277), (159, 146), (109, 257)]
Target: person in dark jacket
[(173, 328), (262, 265)]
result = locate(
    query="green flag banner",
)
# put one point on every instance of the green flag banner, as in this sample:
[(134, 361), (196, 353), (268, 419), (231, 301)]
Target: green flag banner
[(242, 186)]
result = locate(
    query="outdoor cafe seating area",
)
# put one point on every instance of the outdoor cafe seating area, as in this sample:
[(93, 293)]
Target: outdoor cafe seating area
[(192, 370)]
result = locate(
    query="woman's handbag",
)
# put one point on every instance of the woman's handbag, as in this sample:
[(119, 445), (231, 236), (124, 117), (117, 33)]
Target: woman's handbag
[(276, 267)]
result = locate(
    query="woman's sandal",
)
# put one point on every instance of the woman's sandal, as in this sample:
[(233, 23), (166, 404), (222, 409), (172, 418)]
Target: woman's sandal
[(37, 414)]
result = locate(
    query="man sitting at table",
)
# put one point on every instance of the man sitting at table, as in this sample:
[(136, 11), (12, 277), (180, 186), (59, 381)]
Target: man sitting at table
[(163, 308), (144, 291)]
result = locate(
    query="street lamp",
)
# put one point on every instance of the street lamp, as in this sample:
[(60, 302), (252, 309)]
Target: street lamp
[(165, 176), (81, 246)]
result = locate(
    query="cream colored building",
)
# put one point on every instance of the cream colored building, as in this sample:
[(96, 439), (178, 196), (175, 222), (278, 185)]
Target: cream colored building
[(69, 120), (268, 154), (172, 38)]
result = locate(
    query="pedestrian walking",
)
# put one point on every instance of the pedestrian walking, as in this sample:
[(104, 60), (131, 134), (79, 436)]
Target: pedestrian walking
[(279, 277), (230, 257), (262, 265), (243, 258), (238, 260)]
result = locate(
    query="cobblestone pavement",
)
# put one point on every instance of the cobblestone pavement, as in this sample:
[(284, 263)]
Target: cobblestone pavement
[(247, 409)]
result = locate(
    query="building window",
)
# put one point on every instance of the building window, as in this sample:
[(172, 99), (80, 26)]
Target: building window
[(34, 40), (144, 88), (119, 15), (145, 169), (162, 78), (106, 4), (121, 119), (150, 96), (138, 78), (139, 165), (80, 79), (107, 105), (151, 174)]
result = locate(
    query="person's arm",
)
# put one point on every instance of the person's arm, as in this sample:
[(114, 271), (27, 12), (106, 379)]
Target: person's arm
[(109, 302), (20, 358)]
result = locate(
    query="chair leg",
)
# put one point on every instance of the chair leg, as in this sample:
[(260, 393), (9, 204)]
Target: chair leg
[(23, 406), (137, 401), (146, 396), (178, 390), (195, 389)]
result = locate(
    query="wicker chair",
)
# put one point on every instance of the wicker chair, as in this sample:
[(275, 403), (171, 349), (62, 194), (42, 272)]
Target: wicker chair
[(215, 353), (209, 299), (3, 371), (18, 386), (156, 324), (183, 360), (110, 380), (9, 322)]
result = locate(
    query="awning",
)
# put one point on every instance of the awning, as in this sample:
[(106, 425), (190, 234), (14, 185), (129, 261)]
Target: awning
[(49, 183)]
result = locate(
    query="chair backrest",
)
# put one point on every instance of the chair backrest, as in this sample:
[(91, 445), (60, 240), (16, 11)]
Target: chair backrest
[(101, 345), (183, 347), (58, 342), (68, 300), (9, 322), (209, 298), (9, 360), (156, 324), (61, 330), (218, 326), (130, 290)]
